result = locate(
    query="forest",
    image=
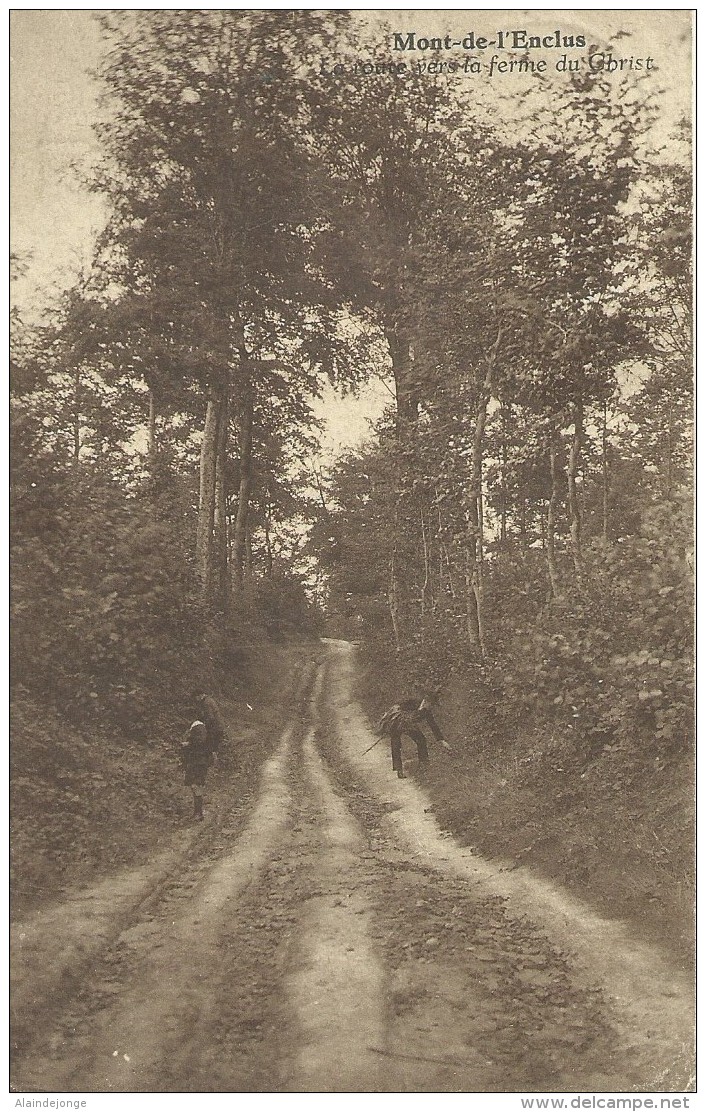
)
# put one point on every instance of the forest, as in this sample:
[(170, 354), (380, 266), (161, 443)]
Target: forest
[(517, 271)]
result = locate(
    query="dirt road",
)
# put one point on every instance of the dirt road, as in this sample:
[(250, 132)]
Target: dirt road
[(333, 939)]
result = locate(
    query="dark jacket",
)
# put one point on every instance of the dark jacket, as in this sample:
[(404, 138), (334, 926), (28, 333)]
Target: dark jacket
[(196, 755), (211, 717), (410, 714)]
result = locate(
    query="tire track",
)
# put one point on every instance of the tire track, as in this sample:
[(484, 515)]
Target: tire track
[(651, 1001), (336, 989), (340, 943), (58, 949), (156, 1016)]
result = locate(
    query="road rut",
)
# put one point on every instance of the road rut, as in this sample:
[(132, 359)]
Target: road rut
[(340, 942)]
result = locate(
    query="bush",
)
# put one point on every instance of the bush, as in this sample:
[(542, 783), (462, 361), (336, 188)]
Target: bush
[(616, 659)]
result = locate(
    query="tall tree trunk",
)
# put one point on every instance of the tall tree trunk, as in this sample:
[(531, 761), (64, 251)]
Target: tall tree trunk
[(449, 573), (472, 623), (478, 579), (393, 604), (474, 547), (407, 414), (475, 542), (220, 518), (503, 475), (443, 553), (427, 586), (207, 492), (245, 441), (76, 424), (550, 548), (670, 450), (269, 561), (406, 390), (152, 433), (604, 471), (523, 522), (319, 487), (249, 565), (575, 514)]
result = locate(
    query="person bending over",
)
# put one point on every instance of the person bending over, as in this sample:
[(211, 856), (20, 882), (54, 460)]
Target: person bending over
[(409, 717)]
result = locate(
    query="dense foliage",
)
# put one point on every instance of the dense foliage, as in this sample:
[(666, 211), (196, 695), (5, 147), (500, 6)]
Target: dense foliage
[(527, 522), (523, 514)]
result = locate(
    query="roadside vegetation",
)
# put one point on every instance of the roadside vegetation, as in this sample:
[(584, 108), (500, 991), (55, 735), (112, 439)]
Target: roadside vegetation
[(518, 530)]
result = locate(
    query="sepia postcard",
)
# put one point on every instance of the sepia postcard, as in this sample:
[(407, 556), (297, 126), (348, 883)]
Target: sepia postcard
[(352, 558)]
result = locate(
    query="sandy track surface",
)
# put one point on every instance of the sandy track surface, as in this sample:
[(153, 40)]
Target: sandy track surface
[(339, 941)]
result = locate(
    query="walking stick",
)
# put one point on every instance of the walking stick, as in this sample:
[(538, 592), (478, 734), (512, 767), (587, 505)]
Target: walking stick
[(371, 746)]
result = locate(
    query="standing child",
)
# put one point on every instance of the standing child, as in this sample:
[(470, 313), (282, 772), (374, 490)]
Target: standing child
[(196, 758)]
